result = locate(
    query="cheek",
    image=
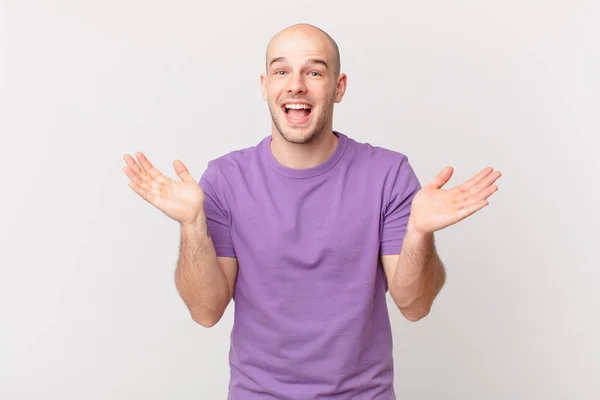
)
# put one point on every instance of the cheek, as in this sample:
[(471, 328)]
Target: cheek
[(273, 93), (322, 93), (273, 102)]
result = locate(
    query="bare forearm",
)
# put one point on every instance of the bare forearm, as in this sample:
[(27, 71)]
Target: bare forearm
[(419, 276), (199, 277)]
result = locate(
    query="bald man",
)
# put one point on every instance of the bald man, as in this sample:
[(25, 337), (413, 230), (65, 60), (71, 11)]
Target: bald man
[(307, 231)]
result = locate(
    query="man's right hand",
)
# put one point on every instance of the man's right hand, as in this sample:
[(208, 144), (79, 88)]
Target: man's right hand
[(182, 201)]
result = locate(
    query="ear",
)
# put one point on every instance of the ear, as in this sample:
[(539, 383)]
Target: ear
[(263, 85), (342, 81)]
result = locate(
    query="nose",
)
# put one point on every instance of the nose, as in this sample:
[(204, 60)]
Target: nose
[(296, 83)]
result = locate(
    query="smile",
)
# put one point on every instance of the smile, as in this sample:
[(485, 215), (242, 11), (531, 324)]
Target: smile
[(297, 113)]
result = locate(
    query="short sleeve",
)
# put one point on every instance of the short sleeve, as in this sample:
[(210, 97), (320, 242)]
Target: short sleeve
[(400, 188), (218, 217)]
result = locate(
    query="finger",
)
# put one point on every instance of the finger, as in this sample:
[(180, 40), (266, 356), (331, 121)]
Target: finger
[(140, 176), (137, 178), (483, 194), (442, 178), (134, 166), (145, 194), (483, 184), (131, 162), (476, 179), (139, 190), (147, 165), (471, 209), (182, 171)]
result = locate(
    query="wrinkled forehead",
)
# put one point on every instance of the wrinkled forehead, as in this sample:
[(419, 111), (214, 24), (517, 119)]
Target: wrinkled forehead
[(298, 46)]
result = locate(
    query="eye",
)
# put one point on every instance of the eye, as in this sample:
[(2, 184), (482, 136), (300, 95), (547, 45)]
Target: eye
[(314, 73), (279, 72)]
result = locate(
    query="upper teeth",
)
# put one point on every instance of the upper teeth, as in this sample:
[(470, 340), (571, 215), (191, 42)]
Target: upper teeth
[(297, 106)]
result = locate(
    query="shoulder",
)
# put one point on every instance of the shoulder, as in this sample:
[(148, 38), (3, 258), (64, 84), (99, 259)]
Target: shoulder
[(379, 158), (232, 164), (235, 160), (388, 169)]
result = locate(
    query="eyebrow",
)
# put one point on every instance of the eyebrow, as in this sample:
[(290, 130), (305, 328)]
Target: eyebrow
[(310, 61)]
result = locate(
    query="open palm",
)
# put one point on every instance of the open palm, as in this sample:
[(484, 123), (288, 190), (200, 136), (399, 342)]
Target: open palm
[(181, 201), (434, 208)]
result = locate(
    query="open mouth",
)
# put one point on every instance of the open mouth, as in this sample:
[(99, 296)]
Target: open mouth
[(297, 114)]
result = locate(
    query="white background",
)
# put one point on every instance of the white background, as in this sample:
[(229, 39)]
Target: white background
[(88, 307)]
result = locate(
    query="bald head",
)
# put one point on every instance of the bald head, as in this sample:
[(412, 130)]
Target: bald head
[(308, 33)]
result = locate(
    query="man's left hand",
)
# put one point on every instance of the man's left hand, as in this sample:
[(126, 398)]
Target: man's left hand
[(434, 208)]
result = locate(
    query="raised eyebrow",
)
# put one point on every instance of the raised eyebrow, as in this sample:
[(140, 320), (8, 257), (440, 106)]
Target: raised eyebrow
[(276, 59), (311, 61), (318, 61)]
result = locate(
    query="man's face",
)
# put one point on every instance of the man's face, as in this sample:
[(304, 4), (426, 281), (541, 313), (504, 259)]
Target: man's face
[(301, 85)]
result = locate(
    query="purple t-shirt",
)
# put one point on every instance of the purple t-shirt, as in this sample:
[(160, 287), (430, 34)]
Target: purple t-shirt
[(310, 320)]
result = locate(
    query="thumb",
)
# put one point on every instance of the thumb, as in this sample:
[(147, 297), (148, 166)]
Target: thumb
[(442, 178), (182, 171)]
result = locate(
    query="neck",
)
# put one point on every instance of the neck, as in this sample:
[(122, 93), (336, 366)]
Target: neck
[(305, 155)]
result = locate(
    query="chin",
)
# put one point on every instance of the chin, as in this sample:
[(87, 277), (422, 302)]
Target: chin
[(298, 139), (299, 135)]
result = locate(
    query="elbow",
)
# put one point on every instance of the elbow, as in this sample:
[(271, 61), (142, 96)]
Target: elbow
[(207, 320), (414, 316), (416, 311), (204, 321)]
